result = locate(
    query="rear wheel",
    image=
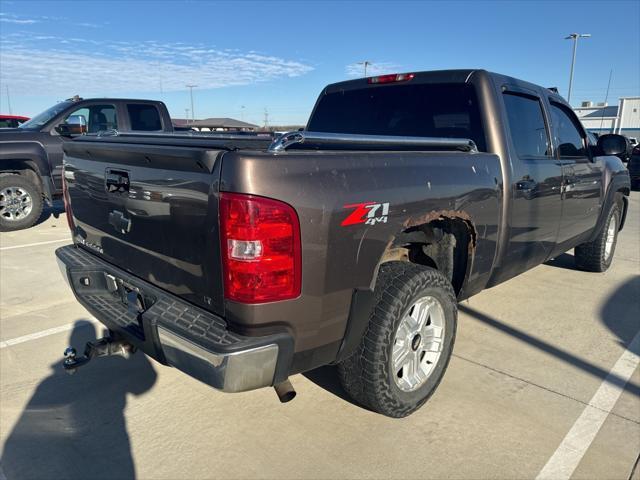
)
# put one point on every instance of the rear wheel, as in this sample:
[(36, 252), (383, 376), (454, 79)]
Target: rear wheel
[(20, 202), (408, 343), (596, 256)]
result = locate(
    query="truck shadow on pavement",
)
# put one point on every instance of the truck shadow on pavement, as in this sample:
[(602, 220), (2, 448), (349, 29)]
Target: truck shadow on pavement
[(56, 209), (327, 378), (564, 260), (74, 425), (620, 313)]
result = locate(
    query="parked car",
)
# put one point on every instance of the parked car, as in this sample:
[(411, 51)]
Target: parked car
[(348, 243), (31, 155), (634, 168), (12, 121)]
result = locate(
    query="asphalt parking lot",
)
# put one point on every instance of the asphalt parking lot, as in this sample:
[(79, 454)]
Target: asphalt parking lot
[(534, 386)]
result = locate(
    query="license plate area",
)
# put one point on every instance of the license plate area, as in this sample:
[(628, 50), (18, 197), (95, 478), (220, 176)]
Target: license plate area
[(113, 299), (131, 296)]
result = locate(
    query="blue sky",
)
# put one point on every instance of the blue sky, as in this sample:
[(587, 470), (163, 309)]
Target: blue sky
[(248, 56)]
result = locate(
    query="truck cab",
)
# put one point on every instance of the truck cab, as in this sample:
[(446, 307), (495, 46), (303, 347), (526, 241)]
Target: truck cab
[(31, 154)]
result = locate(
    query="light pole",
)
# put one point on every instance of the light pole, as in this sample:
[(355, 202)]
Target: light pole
[(574, 37), (366, 63), (191, 87)]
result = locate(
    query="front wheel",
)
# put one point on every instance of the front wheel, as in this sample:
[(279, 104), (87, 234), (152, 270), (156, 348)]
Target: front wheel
[(596, 256), (408, 343)]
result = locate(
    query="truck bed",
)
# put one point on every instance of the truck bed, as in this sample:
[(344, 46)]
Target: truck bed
[(164, 227)]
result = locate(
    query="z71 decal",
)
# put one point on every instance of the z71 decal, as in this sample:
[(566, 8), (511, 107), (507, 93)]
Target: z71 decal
[(368, 213)]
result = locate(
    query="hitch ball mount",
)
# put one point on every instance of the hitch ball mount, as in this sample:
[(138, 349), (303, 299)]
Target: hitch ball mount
[(104, 347)]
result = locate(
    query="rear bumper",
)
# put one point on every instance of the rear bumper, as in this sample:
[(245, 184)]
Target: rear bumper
[(173, 331)]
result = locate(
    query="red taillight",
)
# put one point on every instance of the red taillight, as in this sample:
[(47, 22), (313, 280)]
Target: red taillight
[(67, 202), (394, 77), (260, 242)]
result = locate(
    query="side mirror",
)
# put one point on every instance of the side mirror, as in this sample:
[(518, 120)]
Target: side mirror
[(74, 125), (612, 144)]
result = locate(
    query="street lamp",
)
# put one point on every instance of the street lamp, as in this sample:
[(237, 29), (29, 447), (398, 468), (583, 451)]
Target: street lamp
[(574, 37), (366, 63), (191, 87)]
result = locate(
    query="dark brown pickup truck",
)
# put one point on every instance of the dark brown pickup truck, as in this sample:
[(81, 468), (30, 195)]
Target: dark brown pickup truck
[(242, 262)]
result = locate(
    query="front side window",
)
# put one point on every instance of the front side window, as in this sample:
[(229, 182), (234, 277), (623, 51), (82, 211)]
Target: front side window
[(568, 137), (98, 118), (144, 117), (527, 126)]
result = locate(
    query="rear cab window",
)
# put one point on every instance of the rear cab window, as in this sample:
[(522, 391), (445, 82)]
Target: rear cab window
[(447, 110), (144, 117)]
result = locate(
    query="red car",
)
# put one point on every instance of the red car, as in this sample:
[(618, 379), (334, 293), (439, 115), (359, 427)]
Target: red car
[(12, 121)]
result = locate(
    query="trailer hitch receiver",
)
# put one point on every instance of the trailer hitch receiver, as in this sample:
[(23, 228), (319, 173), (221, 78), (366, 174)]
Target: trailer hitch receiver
[(104, 347)]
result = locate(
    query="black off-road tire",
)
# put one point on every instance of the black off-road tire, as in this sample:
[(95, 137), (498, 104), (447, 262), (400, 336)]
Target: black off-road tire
[(23, 183), (592, 256), (367, 374)]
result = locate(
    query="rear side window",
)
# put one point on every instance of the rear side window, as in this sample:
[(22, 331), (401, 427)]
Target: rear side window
[(527, 126), (9, 123), (568, 137), (419, 110), (144, 117)]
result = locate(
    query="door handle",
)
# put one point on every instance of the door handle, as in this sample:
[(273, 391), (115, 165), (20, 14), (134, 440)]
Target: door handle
[(116, 181)]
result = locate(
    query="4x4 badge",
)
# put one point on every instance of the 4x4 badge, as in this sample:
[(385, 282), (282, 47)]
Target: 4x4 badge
[(368, 213)]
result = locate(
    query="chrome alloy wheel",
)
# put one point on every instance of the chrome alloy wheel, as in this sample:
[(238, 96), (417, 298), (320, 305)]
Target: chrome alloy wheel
[(418, 344), (611, 237), (15, 203)]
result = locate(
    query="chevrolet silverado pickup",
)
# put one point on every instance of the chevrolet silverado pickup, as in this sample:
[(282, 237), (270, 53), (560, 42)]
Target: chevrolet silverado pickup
[(31, 154), (242, 261)]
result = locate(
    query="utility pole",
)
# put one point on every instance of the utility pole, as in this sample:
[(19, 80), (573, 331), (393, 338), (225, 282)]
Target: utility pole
[(186, 114), (266, 118), (574, 37), (9, 100), (365, 64), (193, 116), (606, 99)]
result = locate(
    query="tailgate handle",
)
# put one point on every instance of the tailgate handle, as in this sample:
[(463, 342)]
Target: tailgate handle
[(116, 181)]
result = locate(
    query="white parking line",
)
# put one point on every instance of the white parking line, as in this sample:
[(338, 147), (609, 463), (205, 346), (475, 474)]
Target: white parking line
[(68, 240), (40, 334), (567, 456)]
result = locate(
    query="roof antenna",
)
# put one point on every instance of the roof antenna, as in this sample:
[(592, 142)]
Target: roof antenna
[(606, 97)]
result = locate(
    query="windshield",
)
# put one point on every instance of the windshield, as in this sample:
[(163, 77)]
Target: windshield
[(42, 118), (418, 110)]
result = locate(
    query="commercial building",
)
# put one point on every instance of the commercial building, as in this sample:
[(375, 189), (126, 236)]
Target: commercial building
[(623, 118)]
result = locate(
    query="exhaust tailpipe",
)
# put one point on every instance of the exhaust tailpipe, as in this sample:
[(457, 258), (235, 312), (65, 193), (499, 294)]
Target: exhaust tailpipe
[(285, 391)]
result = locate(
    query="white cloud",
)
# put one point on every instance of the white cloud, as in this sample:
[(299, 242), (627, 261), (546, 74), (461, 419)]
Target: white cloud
[(375, 68), (19, 21), (56, 65), (89, 25)]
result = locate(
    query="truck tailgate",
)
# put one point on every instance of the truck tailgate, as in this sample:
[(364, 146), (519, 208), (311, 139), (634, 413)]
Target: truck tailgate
[(150, 210)]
